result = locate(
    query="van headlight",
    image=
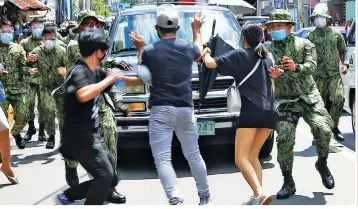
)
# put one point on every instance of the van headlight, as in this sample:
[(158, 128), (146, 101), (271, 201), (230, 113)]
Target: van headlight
[(136, 89), (136, 106)]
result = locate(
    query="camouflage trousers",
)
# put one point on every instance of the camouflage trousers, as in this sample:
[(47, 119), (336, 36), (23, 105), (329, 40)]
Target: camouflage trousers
[(332, 93), (315, 115), (59, 100), (46, 103), (21, 110), (33, 91), (108, 130)]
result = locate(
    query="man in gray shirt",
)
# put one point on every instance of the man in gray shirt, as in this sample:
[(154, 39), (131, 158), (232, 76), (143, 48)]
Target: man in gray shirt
[(170, 63)]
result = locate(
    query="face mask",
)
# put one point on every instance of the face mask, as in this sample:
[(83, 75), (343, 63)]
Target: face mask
[(320, 22), (94, 29), (71, 32), (49, 44), (37, 32), (279, 35), (7, 38), (17, 26)]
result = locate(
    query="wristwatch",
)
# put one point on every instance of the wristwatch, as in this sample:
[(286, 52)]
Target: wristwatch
[(298, 69)]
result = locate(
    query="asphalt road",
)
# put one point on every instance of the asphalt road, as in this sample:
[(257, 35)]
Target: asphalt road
[(41, 175)]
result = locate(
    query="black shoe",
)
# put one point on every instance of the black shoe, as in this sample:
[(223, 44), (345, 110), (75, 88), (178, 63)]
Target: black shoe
[(42, 135), (115, 197), (30, 131), (20, 143), (71, 176), (288, 188), (327, 178), (337, 134), (51, 142), (314, 142)]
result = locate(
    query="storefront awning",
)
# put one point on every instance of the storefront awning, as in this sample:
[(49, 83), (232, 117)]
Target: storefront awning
[(26, 5)]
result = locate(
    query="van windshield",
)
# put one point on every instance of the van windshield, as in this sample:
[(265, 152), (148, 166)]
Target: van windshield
[(144, 24)]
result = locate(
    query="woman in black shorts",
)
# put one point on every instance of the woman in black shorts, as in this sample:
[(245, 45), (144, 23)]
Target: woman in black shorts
[(257, 116)]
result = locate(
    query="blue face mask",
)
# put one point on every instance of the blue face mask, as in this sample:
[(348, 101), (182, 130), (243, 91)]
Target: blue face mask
[(71, 32), (37, 32), (279, 35), (6, 38), (94, 29)]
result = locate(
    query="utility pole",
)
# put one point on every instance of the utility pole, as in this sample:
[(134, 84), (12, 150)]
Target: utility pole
[(258, 7), (301, 12)]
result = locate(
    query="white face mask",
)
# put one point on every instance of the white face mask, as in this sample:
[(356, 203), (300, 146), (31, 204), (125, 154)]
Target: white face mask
[(49, 44), (320, 22)]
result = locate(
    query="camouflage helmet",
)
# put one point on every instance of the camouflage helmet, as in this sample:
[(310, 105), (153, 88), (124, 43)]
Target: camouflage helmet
[(5, 21), (280, 16), (321, 10), (85, 14), (63, 25)]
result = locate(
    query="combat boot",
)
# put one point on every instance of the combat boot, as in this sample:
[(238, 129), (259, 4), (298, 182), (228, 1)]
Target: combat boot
[(42, 135), (71, 175), (322, 168), (51, 142), (20, 143), (30, 131), (337, 134), (288, 188)]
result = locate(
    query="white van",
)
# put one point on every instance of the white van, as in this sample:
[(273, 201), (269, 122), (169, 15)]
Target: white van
[(349, 80)]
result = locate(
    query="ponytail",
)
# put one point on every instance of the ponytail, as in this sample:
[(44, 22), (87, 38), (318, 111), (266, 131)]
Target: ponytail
[(261, 51)]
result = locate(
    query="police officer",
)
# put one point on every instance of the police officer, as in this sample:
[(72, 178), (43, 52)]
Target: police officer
[(297, 96), (29, 44), (12, 77), (51, 66), (331, 48)]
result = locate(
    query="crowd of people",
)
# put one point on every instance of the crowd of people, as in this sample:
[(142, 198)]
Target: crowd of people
[(288, 80)]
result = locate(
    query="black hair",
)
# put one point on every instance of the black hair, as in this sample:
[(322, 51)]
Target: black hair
[(90, 42), (49, 28), (167, 30), (254, 36)]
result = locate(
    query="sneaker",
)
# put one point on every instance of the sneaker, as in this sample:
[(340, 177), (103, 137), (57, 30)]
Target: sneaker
[(205, 199), (176, 201), (249, 202), (61, 199), (262, 199)]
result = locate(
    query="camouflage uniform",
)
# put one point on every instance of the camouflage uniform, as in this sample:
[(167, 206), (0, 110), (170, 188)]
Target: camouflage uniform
[(47, 64), (14, 57), (331, 48), (67, 39), (297, 96)]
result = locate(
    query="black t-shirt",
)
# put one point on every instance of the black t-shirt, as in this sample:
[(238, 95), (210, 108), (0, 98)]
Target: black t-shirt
[(80, 119), (170, 62), (238, 63)]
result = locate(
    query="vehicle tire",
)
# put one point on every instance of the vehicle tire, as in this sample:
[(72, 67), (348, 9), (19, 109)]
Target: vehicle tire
[(353, 110), (267, 147)]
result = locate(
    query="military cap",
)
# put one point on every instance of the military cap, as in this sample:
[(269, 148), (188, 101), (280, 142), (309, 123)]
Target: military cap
[(37, 19), (71, 23), (85, 14), (280, 16), (321, 9)]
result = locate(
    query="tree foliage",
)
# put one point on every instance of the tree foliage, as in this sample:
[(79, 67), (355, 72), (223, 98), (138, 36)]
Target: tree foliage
[(99, 7), (132, 1)]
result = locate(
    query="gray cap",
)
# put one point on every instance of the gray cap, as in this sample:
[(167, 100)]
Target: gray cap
[(167, 17)]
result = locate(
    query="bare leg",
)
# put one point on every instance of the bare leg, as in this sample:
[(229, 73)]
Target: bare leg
[(244, 139), (5, 152), (259, 140)]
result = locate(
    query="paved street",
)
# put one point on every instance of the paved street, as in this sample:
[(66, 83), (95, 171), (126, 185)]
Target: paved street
[(41, 175)]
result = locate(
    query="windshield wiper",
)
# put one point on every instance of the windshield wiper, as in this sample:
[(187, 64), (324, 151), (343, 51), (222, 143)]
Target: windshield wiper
[(125, 50)]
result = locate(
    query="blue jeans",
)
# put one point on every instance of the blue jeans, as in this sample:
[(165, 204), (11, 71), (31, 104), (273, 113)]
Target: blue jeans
[(163, 121)]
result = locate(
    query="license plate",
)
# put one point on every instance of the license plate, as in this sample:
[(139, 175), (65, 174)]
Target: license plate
[(206, 128)]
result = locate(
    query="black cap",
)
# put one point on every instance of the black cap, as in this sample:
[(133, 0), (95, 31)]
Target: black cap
[(5, 22)]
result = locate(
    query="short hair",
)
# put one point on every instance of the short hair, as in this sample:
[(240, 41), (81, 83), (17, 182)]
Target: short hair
[(90, 42), (49, 28), (167, 30)]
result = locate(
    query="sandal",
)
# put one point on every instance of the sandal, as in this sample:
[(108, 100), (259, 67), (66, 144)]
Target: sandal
[(13, 180)]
